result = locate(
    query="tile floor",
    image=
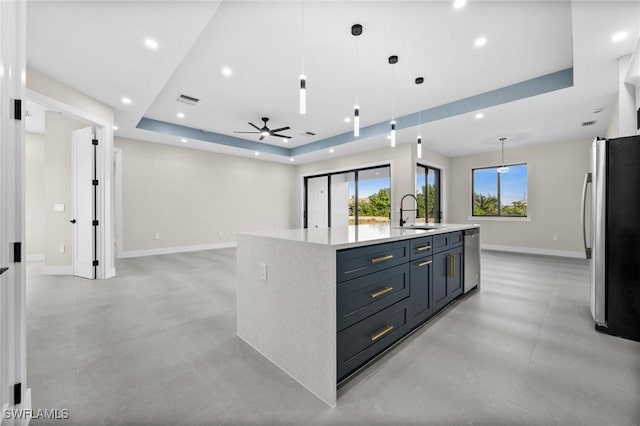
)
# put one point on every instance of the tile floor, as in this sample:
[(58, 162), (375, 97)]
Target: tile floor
[(157, 345)]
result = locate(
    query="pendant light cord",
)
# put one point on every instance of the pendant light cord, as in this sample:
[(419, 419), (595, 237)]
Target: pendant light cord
[(303, 40), (357, 74), (393, 92)]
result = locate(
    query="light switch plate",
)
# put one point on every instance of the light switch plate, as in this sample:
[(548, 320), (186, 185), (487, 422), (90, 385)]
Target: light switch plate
[(58, 207)]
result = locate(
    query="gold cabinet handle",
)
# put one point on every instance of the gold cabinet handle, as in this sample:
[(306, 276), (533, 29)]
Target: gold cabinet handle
[(453, 265), (425, 263), (423, 248), (381, 333), (380, 292), (449, 266), (381, 258)]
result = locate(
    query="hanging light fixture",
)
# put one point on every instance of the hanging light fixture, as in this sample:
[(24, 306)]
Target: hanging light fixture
[(303, 78), (393, 59), (502, 169), (356, 30), (419, 80)]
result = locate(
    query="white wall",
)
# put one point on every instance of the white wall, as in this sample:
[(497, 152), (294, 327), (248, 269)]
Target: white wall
[(555, 178), (403, 173), (194, 198), (34, 194), (57, 188)]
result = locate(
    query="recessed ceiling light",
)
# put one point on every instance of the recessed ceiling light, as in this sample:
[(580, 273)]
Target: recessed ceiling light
[(226, 71), (619, 36), (291, 159), (459, 4), (388, 136), (126, 101), (332, 150), (115, 127), (256, 153), (285, 140), (183, 140), (347, 120), (480, 41), (479, 115), (151, 44), (180, 115)]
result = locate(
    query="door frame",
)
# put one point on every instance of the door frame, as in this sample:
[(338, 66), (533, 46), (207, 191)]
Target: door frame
[(117, 200), (104, 133), (443, 180)]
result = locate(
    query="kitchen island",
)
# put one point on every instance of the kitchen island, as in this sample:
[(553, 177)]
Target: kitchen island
[(321, 303)]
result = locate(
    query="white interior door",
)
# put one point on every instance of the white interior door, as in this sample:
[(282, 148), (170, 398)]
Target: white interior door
[(82, 203), (318, 202)]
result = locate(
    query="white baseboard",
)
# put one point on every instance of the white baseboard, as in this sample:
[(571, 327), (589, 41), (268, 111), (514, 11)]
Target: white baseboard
[(532, 250), (57, 270), (111, 272), (35, 257), (171, 250)]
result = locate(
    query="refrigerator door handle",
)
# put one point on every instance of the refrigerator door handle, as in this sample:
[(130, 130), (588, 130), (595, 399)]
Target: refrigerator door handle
[(587, 181)]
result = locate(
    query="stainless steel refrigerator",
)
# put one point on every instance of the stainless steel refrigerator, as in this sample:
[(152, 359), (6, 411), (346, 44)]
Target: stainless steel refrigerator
[(611, 231)]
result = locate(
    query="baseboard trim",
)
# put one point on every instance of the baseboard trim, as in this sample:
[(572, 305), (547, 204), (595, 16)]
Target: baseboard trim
[(57, 270), (111, 272), (532, 250), (35, 257), (171, 250)]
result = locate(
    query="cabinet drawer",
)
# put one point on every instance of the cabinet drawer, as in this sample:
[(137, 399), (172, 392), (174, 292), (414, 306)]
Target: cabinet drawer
[(362, 297), (421, 247), (443, 242), (356, 262), (364, 340)]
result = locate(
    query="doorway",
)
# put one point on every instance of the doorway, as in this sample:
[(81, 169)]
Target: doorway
[(428, 193)]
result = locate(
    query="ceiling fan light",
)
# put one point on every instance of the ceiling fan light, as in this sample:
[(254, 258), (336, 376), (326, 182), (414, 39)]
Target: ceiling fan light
[(264, 133), (502, 169)]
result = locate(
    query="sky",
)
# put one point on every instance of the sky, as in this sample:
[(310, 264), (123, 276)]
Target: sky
[(369, 186), (513, 184)]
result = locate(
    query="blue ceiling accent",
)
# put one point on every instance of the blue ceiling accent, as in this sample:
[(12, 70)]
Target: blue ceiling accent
[(525, 89)]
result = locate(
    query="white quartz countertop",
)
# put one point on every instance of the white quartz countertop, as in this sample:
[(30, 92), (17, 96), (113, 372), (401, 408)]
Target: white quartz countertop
[(361, 235)]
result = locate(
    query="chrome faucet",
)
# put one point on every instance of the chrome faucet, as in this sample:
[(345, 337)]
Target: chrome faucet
[(402, 221)]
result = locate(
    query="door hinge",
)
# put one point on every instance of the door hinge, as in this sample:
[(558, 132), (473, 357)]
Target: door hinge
[(17, 252), (17, 393), (3, 270), (94, 141), (95, 182), (95, 223), (17, 109), (95, 263)]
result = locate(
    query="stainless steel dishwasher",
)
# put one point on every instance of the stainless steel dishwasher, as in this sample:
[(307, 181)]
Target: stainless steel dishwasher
[(471, 259)]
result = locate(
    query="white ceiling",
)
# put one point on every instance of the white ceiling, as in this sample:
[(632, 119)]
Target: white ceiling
[(97, 47)]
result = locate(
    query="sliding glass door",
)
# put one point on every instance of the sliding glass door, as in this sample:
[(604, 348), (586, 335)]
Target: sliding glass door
[(428, 190), (350, 197)]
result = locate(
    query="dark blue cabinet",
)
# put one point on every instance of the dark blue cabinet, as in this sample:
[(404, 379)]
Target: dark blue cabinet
[(386, 290), (421, 300)]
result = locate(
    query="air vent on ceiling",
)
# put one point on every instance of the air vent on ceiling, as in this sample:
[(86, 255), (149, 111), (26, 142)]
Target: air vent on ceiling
[(190, 100), (589, 123), (307, 134)]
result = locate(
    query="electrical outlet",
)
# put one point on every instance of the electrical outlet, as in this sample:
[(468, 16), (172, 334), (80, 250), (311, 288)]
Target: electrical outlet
[(555, 237), (58, 207), (263, 271), (156, 236), (61, 248)]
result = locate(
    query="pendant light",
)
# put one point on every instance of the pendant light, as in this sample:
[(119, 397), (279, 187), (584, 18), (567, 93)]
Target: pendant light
[(419, 80), (356, 30), (393, 59), (502, 169), (303, 78)]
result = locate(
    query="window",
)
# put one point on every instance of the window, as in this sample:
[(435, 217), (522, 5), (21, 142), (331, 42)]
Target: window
[(500, 194), (330, 199), (428, 194)]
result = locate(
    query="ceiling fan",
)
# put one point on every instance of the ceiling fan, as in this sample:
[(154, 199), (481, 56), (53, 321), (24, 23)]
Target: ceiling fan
[(265, 131)]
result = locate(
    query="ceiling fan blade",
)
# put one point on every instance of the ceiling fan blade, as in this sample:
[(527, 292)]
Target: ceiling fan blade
[(280, 129), (261, 137), (254, 126), (246, 132), (280, 136)]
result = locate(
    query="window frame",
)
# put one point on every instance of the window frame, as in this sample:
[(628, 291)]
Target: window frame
[(328, 175), (439, 212), (499, 188)]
